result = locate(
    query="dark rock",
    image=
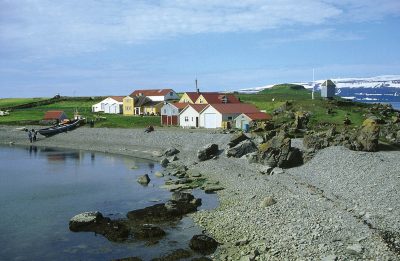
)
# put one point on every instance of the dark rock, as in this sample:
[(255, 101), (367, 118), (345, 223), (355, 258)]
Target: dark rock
[(241, 149), (149, 231), (144, 179), (207, 152), (182, 196), (278, 152), (95, 222), (236, 139), (203, 258), (301, 120), (203, 244), (171, 152), (173, 158), (252, 157), (164, 162)]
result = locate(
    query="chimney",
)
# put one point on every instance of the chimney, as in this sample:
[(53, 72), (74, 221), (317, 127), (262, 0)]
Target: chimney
[(197, 88)]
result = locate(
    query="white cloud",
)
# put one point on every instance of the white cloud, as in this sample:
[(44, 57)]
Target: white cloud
[(46, 27)]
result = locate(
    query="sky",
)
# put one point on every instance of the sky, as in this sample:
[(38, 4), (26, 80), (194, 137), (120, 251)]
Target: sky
[(113, 47)]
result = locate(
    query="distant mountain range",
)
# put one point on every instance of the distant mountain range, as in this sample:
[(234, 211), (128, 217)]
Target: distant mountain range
[(384, 89)]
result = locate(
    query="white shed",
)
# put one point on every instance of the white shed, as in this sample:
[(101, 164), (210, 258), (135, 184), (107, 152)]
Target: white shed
[(170, 113), (223, 115), (190, 115), (111, 105)]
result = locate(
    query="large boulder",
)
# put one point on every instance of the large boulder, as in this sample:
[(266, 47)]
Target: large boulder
[(241, 149), (143, 179), (301, 120), (367, 137), (203, 244), (171, 152), (148, 231), (113, 230), (277, 152), (236, 139), (207, 152)]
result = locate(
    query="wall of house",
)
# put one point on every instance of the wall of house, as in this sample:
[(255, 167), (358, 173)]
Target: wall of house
[(168, 109), (128, 106), (185, 99), (211, 109), (241, 120), (187, 118), (201, 100)]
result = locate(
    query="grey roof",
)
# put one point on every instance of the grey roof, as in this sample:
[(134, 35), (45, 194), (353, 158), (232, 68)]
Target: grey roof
[(141, 100), (329, 83)]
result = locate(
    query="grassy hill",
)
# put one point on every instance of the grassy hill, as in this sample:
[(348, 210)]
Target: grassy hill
[(294, 98), (69, 105)]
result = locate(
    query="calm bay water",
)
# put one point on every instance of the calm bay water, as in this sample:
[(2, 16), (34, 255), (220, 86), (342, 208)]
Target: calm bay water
[(41, 189)]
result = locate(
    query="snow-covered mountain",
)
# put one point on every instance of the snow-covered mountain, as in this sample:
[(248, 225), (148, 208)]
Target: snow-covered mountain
[(388, 81)]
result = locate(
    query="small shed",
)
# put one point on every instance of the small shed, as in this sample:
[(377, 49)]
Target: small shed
[(250, 118), (328, 89), (170, 113), (189, 116), (55, 116)]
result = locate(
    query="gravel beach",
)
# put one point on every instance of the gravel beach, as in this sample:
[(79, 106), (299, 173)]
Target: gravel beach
[(341, 205)]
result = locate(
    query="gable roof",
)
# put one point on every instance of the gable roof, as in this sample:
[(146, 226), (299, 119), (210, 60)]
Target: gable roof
[(328, 83), (258, 115), (51, 115), (152, 92), (232, 108), (117, 98), (139, 101), (179, 105), (193, 95), (217, 97), (196, 107)]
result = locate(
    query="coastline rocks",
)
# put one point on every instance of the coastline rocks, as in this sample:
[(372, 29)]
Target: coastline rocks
[(267, 201), (301, 120), (367, 138), (278, 152), (164, 162), (171, 152), (241, 149), (203, 244), (149, 231), (95, 222), (144, 179), (207, 152), (236, 139)]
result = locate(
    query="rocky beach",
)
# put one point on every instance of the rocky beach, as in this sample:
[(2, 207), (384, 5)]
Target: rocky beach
[(340, 205)]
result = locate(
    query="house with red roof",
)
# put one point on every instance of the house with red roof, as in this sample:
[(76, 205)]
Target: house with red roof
[(55, 116), (112, 105), (190, 115), (170, 113), (245, 120), (222, 115), (157, 94), (208, 98)]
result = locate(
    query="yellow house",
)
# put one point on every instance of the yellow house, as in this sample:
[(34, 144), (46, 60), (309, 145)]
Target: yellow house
[(128, 105)]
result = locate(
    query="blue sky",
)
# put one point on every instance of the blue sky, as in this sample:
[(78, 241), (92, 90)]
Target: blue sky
[(112, 47)]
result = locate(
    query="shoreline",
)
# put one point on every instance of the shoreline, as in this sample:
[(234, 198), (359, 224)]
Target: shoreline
[(337, 206)]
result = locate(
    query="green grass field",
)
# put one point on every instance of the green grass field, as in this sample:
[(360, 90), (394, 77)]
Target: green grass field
[(9, 102), (268, 100)]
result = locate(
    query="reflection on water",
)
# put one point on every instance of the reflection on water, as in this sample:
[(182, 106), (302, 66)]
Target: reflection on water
[(42, 188)]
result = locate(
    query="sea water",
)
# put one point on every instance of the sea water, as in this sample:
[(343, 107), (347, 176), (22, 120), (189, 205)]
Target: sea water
[(42, 188)]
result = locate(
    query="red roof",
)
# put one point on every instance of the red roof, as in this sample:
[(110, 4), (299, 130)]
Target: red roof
[(180, 105), (227, 108), (193, 95), (258, 115), (154, 92), (218, 98), (118, 98), (197, 107), (52, 115)]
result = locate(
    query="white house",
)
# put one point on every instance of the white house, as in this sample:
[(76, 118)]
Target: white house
[(112, 105), (170, 113), (190, 115), (249, 118), (157, 94), (223, 115)]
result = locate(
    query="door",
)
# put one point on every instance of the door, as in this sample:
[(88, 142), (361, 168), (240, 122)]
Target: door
[(197, 122), (210, 120)]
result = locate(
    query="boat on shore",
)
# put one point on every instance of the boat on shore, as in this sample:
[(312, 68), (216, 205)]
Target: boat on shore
[(62, 127)]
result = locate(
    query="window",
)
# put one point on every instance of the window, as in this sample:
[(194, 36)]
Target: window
[(186, 118), (192, 118), (171, 94), (229, 118), (165, 111)]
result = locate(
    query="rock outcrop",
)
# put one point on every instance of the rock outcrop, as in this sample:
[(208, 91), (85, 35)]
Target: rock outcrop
[(241, 149), (143, 179), (207, 152), (203, 244)]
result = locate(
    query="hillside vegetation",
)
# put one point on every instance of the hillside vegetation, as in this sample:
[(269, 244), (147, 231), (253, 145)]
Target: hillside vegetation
[(285, 99)]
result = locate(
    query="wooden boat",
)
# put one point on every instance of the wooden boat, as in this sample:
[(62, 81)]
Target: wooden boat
[(60, 128)]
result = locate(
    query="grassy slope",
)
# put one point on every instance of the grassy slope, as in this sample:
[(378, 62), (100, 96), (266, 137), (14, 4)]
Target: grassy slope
[(19, 117), (9, 102), (301, 101)]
